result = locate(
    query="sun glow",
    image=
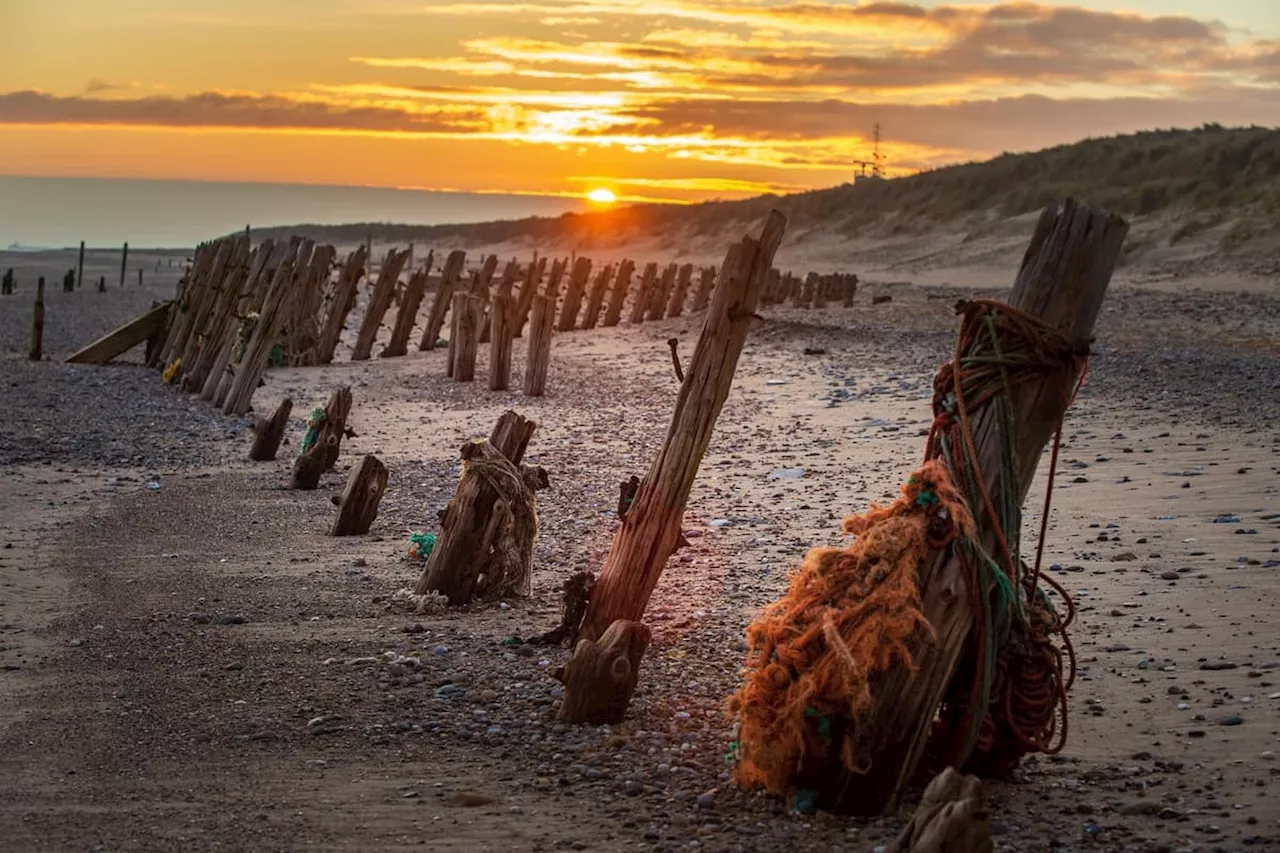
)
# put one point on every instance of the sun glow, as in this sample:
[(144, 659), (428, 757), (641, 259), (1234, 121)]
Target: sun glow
[(601, 196)]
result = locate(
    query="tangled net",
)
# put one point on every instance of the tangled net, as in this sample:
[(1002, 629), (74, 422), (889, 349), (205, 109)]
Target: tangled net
[(852, 614)]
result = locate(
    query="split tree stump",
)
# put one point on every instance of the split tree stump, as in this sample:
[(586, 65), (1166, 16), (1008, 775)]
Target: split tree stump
[(651, 529), (1062, 281), (269, 432), (358, 506), (539, 359), (310, 466), (601, 677), (464, 550)]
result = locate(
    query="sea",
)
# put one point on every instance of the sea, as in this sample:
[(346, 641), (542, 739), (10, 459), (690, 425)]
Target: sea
[(55, 212)]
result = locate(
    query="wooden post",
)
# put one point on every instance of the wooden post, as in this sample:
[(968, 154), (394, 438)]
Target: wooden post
[(820, 291), (261, 269), (850, 288), (1062, 281), (358, 506), (481, 288), (553, 283), (124, 262), (469, 310), (379, 302), (528, 290), (658, 299), (595, 300), (139, 276), (573, 296), (344, 299), (467, 534), (618, 295), (269, 432), (336, 412), (449, 277), (651, 529), (102, 284), (676, 306), (539, 358), (643, 294), (702, 296), (407, 314), (80, 268), (36, 352), (601, 676), (222, 291), (500, 342), (309, 467)]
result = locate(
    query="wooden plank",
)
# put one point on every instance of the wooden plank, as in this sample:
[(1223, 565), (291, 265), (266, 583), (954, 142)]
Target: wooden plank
[(123, 339)]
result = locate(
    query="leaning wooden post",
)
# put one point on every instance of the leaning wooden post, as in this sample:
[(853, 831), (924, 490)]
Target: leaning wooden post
[(528, 290), (659, 296), (469, 310), (820, 291), (1063, 278), (651, 529), (379, 302), (269, 432), (37, 324), (539, 358), (407, 314), (618, 295), (849, 289), (500, 342), (643, 294), (676, 306), (449, 277), (124, 262), (596, 298), (573, 295), (601, 676), (702, 296), (343, 300), (358, 506)]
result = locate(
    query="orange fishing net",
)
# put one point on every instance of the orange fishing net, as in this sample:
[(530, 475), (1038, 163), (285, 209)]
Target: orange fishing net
[(847, 617)]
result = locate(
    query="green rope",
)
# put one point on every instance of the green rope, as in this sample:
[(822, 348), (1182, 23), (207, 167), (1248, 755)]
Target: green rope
[(313, 429), (421, 545)]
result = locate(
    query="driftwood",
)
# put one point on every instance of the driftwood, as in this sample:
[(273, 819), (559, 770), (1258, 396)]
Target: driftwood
[(601, 677), (951, 818), (269, 432), (485, 540), (358, 506), (651, 530), (449, 277), (618, 295), (539, 358), (124, 338)]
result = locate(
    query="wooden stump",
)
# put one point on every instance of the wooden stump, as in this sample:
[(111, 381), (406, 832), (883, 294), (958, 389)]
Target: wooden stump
[(573, 296), (652, 527), (618, 296), (660, 294), (36, 351), (465, 549), (500, 343), (358, 506), (951, 818), (849, 289), (407, 314), (336, 413), (469, 310), (539, 359), (449, 277), (1063, 278), (601, 677), (268, 433), (644, 293), (310, 466), (379, 302), (595, 300), (676, 307), (706, 281)]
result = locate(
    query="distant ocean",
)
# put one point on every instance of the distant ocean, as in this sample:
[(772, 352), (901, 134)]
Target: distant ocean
[(60, 212)]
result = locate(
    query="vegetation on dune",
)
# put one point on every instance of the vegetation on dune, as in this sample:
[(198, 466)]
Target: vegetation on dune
[(1196, 178)]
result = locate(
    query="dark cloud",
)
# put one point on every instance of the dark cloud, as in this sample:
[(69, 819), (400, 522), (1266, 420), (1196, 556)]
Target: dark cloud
[(215, 109)]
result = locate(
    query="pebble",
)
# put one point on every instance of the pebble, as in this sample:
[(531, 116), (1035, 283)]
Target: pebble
[(1230, 720)]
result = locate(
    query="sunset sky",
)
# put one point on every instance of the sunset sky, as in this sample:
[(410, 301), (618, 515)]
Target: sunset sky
[(671, 99)]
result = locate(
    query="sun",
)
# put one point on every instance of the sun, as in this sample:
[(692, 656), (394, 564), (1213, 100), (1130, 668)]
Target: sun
[(601, 196)]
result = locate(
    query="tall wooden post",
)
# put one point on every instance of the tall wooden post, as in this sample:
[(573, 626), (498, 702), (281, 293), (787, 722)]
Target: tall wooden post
[(379, 302), (407, 314), (1063, 278), (539, 359), (500, 342), (643, 294), (124, 262), (37, 324), (470, 311), (651, 528), (702, 296), (528, 289), (596, 298), (676, 307), (573, 296), (80, 268), (618, 296), (449, 277), (658, 298)]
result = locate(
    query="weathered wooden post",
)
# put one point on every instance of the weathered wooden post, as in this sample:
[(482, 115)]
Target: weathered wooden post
[(139, 276), (601, 677), (80, 268), (379, 302), (358, 506), (595, 300), (651, 529), (702, 296), (618, 295), (644, 294), (124, 262), (1055, 300), (850, 288), (6, 283), (528, 290), (676, 307), (500, 340), (659, 296), (102, 284), (449, 278), (269, 432), (470, 312), (553, 284), (573, 295), (36, 352), (407, 314), (492, 492), (344, 299), (820, 291), (539, 358)]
